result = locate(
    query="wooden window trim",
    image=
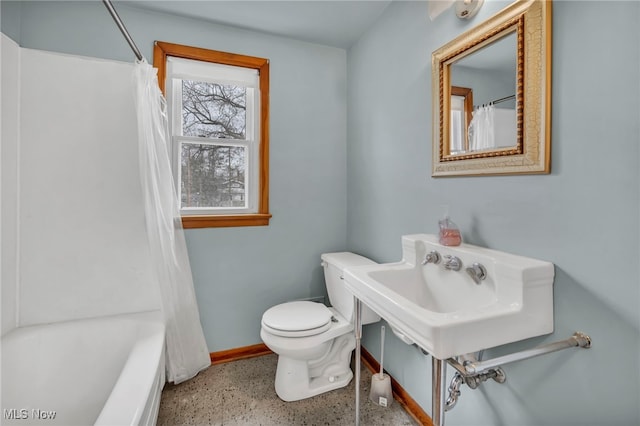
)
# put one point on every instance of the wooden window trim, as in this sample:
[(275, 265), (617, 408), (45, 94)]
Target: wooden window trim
[(467, 94), (160, 52)]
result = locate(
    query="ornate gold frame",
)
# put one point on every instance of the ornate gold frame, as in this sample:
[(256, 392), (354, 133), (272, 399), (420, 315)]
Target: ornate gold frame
[(531, 20)]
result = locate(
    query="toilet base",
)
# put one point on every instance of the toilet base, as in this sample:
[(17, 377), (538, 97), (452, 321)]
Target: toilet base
[(299, 379)]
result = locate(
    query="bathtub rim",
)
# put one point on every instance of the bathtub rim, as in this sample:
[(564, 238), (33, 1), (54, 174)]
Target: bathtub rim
[(146, 356)]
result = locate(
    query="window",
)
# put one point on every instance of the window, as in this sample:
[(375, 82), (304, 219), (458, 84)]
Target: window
[(461, 114), (218, 106)]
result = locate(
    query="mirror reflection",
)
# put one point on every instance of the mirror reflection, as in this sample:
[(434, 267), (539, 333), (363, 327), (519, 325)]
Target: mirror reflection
[(461, 106), (483, 98)]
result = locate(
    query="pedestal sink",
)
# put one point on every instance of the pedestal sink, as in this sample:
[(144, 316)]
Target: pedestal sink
[(444, 311), (453, 301)]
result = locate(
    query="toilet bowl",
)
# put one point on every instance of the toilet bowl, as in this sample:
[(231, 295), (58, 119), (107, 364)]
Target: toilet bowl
[(314, 342)]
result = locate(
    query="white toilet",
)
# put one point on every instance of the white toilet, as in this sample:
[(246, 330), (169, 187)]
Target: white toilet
[(314, 342)]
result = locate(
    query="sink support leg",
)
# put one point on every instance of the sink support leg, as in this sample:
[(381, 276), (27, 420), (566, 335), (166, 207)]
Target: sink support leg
[(438, 379), (357, 312)]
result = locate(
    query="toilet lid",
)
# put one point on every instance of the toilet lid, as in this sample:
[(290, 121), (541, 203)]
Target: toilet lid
[(301, 318)]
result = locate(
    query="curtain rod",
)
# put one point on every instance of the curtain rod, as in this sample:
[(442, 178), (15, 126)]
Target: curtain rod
[(123, 29), (506, 98), (497, 101)]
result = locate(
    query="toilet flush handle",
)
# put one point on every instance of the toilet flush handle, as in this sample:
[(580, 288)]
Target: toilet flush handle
[(325, 264)]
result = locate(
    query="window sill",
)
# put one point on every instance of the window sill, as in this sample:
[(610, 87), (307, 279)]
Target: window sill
[(225, 221)]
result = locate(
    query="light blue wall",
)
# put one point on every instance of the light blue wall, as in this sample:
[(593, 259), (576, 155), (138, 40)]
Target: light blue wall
[(10, 19), (583, 217), (239, 272)]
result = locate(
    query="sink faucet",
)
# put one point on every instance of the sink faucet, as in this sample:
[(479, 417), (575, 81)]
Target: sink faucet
[(477, 272), (452, 263), (432, 257)]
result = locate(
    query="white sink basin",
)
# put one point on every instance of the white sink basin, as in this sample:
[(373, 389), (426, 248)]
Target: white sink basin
[(444, 311)]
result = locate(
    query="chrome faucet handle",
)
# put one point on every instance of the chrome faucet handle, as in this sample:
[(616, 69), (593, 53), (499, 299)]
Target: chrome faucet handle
[(432, 257), (477, 272), (453, 263)]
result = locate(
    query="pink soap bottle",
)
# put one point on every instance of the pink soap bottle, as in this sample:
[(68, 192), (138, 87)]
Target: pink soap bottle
[(449, 232)]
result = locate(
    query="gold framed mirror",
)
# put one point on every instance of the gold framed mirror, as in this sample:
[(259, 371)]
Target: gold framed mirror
[(492, 96)]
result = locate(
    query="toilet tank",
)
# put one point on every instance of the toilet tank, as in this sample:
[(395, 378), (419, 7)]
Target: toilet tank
[(341, 299)]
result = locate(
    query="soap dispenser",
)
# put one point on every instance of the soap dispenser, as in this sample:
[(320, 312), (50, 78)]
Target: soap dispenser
[(449, 232)]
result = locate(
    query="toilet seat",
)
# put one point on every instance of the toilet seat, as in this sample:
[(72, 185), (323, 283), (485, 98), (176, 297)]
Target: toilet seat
[(297, 319)]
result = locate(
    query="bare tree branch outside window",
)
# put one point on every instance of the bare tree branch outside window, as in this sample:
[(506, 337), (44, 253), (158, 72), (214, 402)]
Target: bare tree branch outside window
[(213, 175)]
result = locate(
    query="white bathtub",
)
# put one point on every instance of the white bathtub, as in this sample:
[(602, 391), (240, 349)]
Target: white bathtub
[(103, 371)]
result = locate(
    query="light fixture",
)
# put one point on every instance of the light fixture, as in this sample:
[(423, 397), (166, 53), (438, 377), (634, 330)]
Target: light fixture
[(467, 9)]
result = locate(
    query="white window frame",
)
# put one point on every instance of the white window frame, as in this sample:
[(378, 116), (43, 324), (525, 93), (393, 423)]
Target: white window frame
[(179, 69)]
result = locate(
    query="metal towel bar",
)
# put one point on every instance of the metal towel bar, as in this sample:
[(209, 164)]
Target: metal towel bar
[(470, 368)]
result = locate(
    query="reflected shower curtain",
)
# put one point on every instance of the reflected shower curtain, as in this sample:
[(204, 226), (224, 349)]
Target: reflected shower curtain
[(481, 129), (186, 349)]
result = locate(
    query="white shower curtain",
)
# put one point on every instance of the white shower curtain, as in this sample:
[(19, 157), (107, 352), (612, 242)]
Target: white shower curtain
[(186, 349), (481, 129)]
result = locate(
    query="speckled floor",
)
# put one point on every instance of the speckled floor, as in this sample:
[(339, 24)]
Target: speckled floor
[(242, 393)]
